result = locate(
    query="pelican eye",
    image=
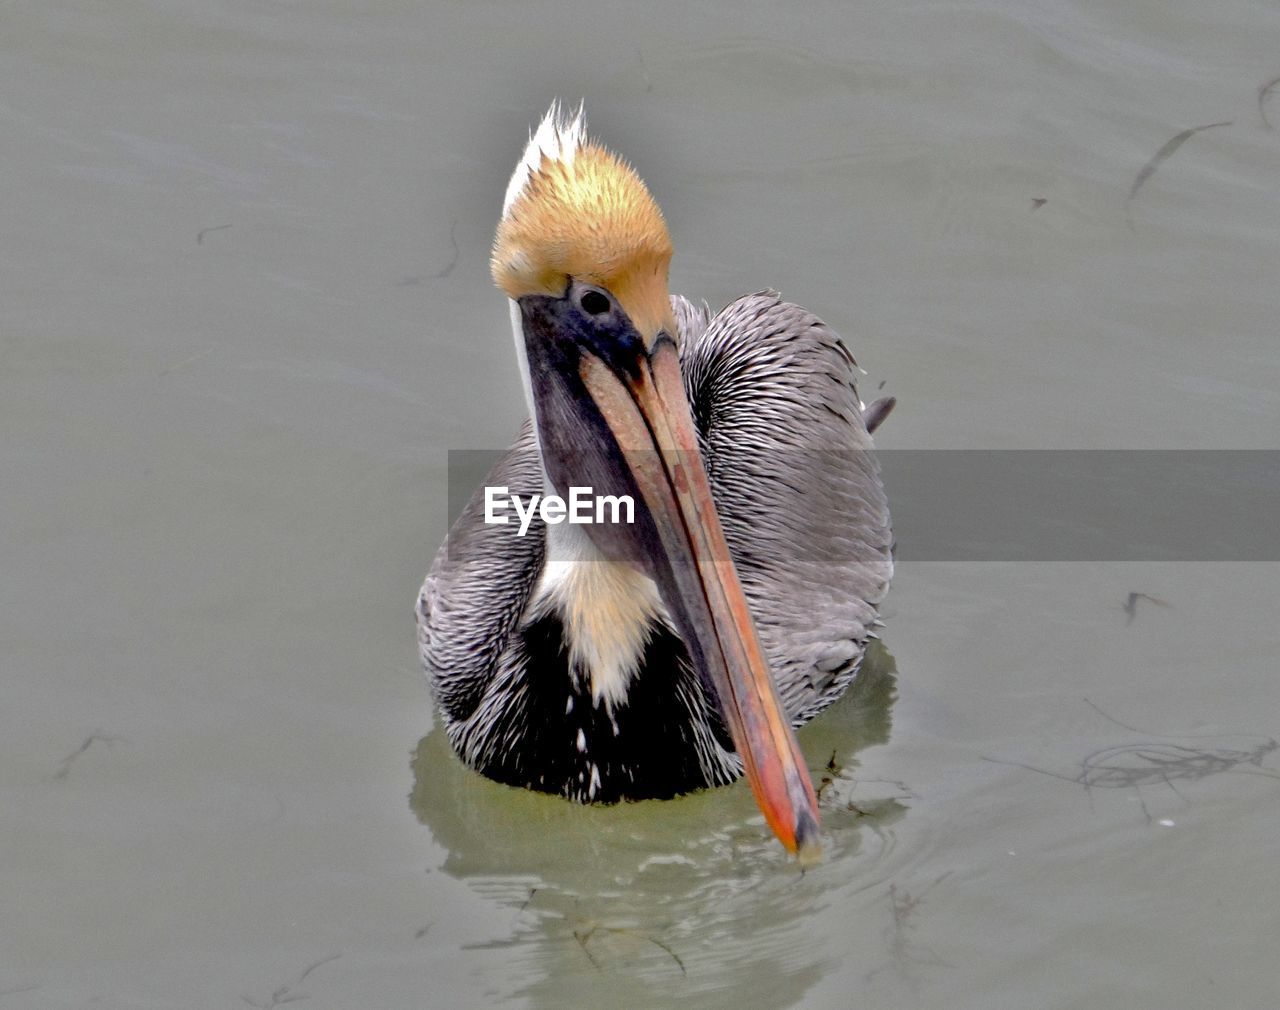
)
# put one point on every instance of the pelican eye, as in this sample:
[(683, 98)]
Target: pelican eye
[(594, 303)]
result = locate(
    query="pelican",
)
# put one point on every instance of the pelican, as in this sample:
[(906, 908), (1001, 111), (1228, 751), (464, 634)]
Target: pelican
[(635, 660)]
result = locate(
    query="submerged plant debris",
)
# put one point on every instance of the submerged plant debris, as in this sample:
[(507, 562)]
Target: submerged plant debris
[(1131, 604), (1157, 762), (289, 991), (906, 954), (453, 241), (584, 935), (1160, 157), (64, 766), (205, 231), (1264, 92)]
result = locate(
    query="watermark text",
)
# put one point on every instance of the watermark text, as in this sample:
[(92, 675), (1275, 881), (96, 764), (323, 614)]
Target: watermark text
[(583, 506)]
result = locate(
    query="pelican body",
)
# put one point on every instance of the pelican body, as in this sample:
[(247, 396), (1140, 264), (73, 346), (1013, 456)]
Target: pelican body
[(648, 659)]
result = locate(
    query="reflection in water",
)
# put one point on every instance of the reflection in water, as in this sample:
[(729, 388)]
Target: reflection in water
[(686, 895)]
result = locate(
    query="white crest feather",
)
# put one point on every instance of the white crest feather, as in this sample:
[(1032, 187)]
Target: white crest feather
[(557, 138)]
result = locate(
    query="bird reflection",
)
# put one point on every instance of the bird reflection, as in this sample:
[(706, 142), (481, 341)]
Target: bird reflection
[(682, 893)]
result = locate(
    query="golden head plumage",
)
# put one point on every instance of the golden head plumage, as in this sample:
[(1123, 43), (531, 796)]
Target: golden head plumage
[(575, 209)]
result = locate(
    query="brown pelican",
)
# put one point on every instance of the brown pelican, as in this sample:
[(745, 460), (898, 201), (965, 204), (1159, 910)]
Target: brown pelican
[(615, 660)]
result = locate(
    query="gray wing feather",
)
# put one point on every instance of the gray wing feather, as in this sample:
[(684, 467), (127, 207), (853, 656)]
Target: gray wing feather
[(874, 414), (796, 483), (477, 588), (799, 494)]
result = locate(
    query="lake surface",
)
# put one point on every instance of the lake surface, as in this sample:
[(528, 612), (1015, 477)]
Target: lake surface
[(247, 312)]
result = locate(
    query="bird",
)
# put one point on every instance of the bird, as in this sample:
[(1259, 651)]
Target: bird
[(644, 659)]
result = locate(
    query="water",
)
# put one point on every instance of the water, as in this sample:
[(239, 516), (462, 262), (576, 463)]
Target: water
[(247, 311)]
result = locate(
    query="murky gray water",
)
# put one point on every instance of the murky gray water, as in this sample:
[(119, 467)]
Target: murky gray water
[(246, 312)]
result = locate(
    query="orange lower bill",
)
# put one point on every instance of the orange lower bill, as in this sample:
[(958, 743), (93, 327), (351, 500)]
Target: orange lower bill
[(650, 418)]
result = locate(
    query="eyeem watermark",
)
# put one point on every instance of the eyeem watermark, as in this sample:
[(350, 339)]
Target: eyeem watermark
[(582, 507), (959, 504)]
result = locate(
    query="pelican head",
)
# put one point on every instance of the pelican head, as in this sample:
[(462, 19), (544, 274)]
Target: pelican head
[(583, 252), (575, 212)]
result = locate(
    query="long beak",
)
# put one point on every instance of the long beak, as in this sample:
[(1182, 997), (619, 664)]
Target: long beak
[(648, 414)]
